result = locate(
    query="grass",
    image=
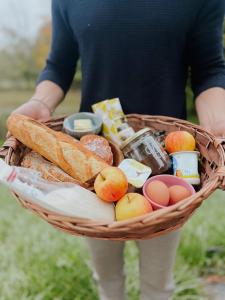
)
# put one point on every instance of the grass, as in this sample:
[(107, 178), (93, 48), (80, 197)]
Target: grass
[(41, 263)]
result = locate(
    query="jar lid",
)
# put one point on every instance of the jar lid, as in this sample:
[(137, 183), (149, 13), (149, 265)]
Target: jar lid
[(133, 137)]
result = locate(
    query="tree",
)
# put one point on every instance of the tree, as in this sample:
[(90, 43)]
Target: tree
[(42, 45), (17, 63)]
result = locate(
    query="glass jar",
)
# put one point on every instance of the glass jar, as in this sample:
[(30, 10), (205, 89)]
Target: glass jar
[(160, 137), (144, 147)]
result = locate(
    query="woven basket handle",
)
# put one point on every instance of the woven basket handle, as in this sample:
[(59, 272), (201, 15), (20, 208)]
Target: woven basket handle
[(220, 141), (9, 145)]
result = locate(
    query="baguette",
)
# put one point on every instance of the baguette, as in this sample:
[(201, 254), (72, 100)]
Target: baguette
[(61, 149), (48, 170)]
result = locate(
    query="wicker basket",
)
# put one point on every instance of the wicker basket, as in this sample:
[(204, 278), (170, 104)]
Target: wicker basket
[(212, 168)]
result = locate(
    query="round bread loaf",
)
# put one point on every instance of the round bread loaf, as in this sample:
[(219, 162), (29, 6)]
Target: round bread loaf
[(99, 145)]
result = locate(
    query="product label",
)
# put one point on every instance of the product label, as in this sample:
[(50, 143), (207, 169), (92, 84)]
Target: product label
[(150, 148), (108, 110), (185, 165), (155, 150)]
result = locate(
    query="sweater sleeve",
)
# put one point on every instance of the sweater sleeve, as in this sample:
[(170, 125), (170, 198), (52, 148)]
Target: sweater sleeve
[(206, 47), (61, 63)]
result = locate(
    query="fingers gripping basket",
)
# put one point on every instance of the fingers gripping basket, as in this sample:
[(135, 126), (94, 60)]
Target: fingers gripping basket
[(154, 224)]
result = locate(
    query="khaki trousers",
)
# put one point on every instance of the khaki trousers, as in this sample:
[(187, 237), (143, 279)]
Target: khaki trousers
[(156, 267)]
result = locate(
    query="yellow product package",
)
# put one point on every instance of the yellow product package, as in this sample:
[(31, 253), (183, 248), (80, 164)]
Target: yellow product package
[(109, 111)]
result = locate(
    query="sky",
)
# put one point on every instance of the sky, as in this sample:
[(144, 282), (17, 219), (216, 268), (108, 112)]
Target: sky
[(23, 16)]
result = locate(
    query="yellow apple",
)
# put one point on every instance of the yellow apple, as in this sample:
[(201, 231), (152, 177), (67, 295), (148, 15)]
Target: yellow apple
[(111, 184), (132, 205)]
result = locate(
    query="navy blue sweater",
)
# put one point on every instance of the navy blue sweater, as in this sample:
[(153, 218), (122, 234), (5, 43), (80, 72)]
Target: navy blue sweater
[(137, 50)]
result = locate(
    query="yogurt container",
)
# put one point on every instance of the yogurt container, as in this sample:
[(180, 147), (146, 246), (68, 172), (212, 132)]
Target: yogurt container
[(185, 165), (136, 173)]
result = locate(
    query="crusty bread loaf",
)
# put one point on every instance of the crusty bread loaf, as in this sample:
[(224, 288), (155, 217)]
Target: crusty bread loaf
[(99, 145), (48, 170), (59, 148)]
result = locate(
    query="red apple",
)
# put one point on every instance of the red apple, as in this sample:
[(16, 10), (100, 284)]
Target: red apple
[(132, 205), (180, 141), (111, 184)]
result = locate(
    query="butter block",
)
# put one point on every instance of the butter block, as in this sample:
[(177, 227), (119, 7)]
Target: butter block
[(83, 125)]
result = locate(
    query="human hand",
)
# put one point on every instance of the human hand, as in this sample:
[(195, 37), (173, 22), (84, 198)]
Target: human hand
[(217, 128), (33, 109), (210, 107), (46, 98)]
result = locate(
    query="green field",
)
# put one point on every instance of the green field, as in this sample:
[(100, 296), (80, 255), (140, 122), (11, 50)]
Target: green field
[(39, 263)]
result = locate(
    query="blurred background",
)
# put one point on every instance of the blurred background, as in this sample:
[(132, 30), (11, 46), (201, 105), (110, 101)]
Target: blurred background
[(25, 36), (39, 263)]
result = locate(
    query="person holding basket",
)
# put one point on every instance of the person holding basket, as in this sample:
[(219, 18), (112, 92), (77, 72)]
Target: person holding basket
[(139, 51)]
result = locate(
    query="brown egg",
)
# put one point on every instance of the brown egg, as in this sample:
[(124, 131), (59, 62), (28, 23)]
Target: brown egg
[(158, 192), (178, 193)]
